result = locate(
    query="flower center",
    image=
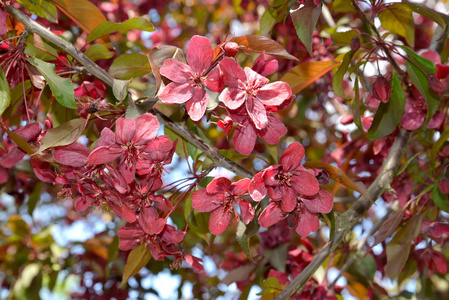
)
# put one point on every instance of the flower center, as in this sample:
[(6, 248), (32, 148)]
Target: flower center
[(284, 178)]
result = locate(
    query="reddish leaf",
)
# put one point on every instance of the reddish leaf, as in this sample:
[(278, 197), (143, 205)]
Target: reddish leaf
[(306, 73), (260, 43), (338, 175)]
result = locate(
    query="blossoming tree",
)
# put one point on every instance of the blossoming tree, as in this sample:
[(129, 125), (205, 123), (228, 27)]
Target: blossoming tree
[(289, 149)]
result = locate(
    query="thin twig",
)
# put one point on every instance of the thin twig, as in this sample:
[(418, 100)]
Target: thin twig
[(91, 67)]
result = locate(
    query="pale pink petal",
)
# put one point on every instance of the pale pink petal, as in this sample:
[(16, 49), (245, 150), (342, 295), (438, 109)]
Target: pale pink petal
[(176, 93), (246, 211), (240, 187), (147, 127), (254, 79), (195, 262), (199, 55), (307, 223), (292, 157), (204, 202), (256, 112), (125, 130), (273, 132), (256, 188), (274, 93), (244, 139), (176, 71), (232, 98), (232, 72), (104, 154), (320, 203), (219, 221), (214, 81), (305, 183), (264, 67), (219, 185), (196, 106), (271, 215)]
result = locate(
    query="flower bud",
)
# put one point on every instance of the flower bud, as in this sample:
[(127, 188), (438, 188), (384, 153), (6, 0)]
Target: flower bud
[(231, 49), (355, 43), (436, 86), (347, 119), (381, 89)]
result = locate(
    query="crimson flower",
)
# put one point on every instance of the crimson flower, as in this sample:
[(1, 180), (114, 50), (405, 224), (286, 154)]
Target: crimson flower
[(246, 86), (415, 112), (160, 240), (285, 180), (219, 198), (303, 218), (188, 81), (431, 260), (130, 139)]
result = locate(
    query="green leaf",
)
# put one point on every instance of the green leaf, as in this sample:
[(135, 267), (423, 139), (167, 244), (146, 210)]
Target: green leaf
[(388, 115), (21, 142), (439, 198), (439, 18), (98, 51), (107, 27), (260, 43), (128, 66), (36, 47), (16, 98), (42, 8), (272, 15), (244, 232), (397, 18), (271, 286), (420, 60), (277, 256), (64, 134), (344, 38), (305, 19), (337, 82), (330, 220), (5, 93), (62, 88), (137, 259), (356, 105), (120, 89), (420, 80), (34, 197)]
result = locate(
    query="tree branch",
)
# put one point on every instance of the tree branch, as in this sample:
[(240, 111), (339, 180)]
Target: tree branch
[(351, 217), (91, 67)]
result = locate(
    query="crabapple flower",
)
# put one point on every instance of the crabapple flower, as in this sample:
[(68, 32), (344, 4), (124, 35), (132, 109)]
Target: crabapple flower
[(189, 81), (131, 137), (245, 86), (219, 198), (285, 180), (303, 219)]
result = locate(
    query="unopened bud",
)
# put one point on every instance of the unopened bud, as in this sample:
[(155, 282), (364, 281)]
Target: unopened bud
[(231, 49), (355, 43), (381, 89), (436, 86), (444, 185), (347, 119)]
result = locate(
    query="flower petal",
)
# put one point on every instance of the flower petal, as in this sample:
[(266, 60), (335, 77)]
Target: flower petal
[(256, 188), (125, 130), (104, 154), (74, 155), (219, 185), (147, 127), (292, 157), (256, 112), (274, 93), (196, 106), (307, 223), (240, 187), (199, 55), (232, 72), (246, 211), (147, 219), (176, 71), (219, 220), (288, 202), (171, 235), (244, 138), (271, 215), (204, 202), (214, 81), (305, 183), (273, 132), (320, 203), (176, 93), (254, 79), (233, 98), (107, 138)]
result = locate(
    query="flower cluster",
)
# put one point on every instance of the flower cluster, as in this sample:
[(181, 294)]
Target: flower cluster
[(248, 97)]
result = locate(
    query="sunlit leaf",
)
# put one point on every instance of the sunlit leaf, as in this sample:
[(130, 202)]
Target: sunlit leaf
[(305, 19), (37, 47), (420, 60), (98, 51), (344, 38), (107, 27), (306, 73), (397, 18), (84, 13), (338, 175), (64, 134), (128, 66), (260, 43), (388, 115), (137, 259), (337, 83), (44, 9), (5, 93), (62, 88)]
